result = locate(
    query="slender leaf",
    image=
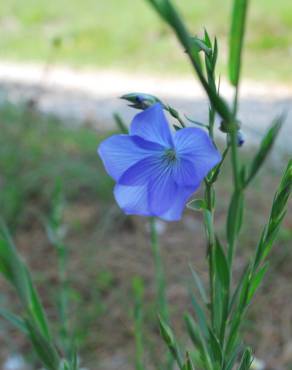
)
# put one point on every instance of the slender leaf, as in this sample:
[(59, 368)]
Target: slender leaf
[(45, 350), (201, 317), (246, 360), (256, 281), (222, 267), (265, 148), (199, 284), (236, 39), (14, 320), (170, 341), (216, 348), (197, 204), (234, 218), (198, 341), (188, 364)]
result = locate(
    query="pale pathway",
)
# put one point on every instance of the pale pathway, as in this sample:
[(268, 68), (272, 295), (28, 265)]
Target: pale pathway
[(92, 96)]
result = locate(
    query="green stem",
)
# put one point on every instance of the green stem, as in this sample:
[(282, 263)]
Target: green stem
[(160, 283), (159, 273), (235, 160), (209, 224), (138, 323), (63, 295), (235, 171)]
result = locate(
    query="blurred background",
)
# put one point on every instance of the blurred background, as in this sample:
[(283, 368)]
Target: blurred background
[(63, 66)]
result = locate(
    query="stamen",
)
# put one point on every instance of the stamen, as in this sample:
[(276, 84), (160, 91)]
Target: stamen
[(170, 155)]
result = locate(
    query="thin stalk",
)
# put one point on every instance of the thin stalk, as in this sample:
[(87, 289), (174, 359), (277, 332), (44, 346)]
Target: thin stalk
[(235, 170), (63, 295), (210, 247), (160, 282), (138, 326), (159, 272), (209, 190)]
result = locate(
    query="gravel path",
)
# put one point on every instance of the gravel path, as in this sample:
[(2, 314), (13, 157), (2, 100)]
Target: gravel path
[(92, 96)]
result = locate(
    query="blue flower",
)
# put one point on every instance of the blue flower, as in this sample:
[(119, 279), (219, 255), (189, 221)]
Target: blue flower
[(155, 169)]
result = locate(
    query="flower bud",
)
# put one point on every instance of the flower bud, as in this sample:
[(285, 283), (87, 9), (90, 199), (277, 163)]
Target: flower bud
[(140, 100)]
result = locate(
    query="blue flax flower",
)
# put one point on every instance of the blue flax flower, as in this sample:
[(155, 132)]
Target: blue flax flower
[(155, 169)]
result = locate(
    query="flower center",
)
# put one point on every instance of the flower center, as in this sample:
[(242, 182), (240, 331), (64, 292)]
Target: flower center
[(170, 156)]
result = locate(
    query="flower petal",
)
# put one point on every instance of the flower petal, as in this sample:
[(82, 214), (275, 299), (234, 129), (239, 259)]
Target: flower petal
[(151, 125), (119, 152), (143, 171), (133, 200), (185, 173), (175, 211), (194, 145), (162, 192)]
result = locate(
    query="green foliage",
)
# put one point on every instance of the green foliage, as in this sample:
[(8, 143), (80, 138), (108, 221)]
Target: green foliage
[(34, 322), (236, 39), (30, 29), (171, 342), (264, 149), (234, 218), (246, 360)]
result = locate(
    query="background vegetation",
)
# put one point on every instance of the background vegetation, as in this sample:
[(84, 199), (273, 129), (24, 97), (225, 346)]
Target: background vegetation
[(128, 35)]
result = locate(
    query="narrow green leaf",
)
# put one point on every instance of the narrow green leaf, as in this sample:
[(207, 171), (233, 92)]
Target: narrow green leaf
[(170, 341), (199, 284), (14, 269), (207, 39), (198, 341), (230, 361), (44, 349), (194, 332), (216, 348), (244, 278), (188, 364), (219, 304), (36, 309), (222, 266), (234, 218), (256, 281), (201, 317), (246, 360), (236, 39), (232, 341), (265, 148), (222, 289), (215, 56), (14, 320), (277, 214), (197, 204)]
